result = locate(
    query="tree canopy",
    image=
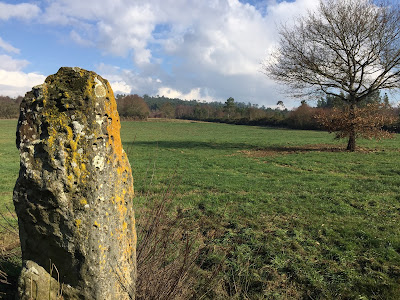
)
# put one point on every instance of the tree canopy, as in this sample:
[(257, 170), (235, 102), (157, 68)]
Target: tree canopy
[(348, 49)]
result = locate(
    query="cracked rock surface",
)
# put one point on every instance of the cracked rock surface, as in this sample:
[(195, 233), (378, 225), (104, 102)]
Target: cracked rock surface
[(73, 196)]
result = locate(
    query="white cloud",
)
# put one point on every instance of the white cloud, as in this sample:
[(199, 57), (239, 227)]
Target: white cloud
[(225, 35), (8, 63), (120, 87), (21, 11), (193, 94), (124, 81), (8, 47), (16, 83), (79, 40), (13, 81), (209, 49), (117, 27)]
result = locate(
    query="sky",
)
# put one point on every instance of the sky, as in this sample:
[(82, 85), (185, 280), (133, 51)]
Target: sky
[(207, 50)]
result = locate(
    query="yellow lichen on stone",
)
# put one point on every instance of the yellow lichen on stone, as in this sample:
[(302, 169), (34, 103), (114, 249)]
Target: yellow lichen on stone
[(59, 122), (79, 133), (78, 222)]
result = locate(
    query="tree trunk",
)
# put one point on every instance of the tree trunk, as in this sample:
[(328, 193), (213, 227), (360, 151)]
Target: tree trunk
[(351, 145)]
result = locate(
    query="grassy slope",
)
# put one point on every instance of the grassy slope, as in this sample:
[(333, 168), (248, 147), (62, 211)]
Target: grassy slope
[(295, 221)]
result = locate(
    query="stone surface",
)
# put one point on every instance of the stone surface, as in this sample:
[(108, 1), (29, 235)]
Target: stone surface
[(36, 283), (74, 193)]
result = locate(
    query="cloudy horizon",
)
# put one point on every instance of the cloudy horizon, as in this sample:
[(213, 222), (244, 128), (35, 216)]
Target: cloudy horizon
[(205, 50)]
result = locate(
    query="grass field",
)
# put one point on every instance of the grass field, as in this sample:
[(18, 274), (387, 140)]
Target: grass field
[(296, 217)]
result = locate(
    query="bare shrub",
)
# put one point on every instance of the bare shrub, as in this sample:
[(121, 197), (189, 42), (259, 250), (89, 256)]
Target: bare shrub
[(170, 251), (365, 122)]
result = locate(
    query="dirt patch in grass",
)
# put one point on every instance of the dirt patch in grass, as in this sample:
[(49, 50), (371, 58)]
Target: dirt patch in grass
[(285, 150)]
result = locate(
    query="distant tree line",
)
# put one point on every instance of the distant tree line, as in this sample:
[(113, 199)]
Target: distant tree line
[(229, 112), (374, 109), (9, 107), (134, 107)]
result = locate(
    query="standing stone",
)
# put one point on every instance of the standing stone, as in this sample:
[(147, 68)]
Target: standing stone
[(74, 193)]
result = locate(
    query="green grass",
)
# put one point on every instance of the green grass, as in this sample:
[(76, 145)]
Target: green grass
[(9, 162), (295, 217)]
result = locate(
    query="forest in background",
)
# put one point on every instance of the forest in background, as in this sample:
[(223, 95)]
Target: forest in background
[(135, 107)]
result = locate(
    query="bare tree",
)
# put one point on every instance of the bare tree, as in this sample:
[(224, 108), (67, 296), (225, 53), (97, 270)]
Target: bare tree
[(346, 48)]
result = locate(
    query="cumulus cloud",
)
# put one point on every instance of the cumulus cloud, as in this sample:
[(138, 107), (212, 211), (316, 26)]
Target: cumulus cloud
[(20, 11), (17, 83), (117, 27), (192, 49), (137, 82), (225, 35), (76, 37), (218, 46), (193, 94), (120, 87), (13, 81), (8, 47), (8, 63)]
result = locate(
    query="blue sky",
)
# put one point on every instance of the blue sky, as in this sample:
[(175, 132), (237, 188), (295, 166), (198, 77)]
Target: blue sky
[(206, 50)]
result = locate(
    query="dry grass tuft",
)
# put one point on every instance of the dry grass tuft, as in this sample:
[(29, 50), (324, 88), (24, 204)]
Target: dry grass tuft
[(9, 252), (168, 251)]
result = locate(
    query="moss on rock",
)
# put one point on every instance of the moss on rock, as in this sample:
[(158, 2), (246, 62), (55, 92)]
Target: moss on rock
[(74, 193)]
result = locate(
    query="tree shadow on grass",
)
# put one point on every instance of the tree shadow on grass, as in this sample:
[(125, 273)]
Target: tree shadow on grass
[(241, 147), (306, 148), (192, 145), (287, 150)]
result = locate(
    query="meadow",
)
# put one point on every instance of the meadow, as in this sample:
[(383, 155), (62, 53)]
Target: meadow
[(284, 214)]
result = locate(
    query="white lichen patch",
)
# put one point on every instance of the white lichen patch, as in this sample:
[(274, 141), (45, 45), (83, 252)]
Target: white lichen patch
[(25, 156), (98, 162), (99, 89), (76, 69), (99, 120), (78, 128), (89, 137)]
